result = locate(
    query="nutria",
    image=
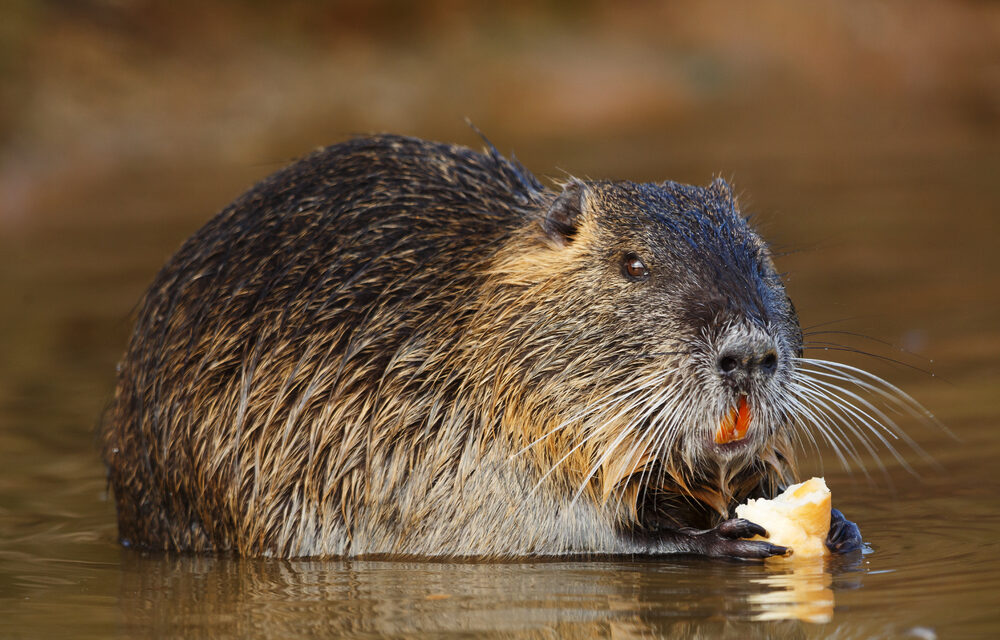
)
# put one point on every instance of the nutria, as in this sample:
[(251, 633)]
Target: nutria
[(395, 347)]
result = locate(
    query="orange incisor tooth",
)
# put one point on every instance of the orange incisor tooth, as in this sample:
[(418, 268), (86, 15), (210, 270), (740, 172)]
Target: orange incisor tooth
[(735, 424)]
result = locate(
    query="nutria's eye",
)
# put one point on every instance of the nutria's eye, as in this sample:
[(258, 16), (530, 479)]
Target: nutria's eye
[(634, 268)]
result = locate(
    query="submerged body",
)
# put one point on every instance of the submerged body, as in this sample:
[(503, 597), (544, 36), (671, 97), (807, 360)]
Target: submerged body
[(395, 347)]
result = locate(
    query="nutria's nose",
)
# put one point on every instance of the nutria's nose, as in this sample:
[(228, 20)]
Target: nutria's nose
[(748, 358)]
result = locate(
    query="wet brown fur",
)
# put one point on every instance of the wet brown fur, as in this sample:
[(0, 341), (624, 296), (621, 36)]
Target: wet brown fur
[(379, 351)]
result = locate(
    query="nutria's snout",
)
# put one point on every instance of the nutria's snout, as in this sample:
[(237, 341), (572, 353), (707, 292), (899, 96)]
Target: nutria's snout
[(747, 360), (750, 359), (749, 370)]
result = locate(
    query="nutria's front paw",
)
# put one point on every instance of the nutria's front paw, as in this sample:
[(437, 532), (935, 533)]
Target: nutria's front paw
[(726, 540), (844, 535)]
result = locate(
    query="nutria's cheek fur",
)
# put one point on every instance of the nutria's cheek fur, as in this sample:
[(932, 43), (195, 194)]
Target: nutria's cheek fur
[(395, 347)]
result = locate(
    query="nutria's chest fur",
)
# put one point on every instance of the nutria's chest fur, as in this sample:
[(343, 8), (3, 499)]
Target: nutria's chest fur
[(395, 347)]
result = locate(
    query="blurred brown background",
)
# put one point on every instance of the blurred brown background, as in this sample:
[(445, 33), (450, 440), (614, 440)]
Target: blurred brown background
[(95, 86)]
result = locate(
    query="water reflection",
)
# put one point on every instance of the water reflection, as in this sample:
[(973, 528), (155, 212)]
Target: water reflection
[(802, 588), (796, 592), (677, 597)]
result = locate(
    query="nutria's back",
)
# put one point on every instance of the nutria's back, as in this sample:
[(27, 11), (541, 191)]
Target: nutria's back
[(401, 347)]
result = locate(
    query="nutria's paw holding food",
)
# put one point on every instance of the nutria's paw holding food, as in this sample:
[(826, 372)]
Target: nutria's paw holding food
[(844, 536), (729, 540)]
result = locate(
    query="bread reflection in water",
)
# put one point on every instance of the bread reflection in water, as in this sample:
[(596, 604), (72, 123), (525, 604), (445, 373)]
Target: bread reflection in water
[(803, 589), (795, 591)]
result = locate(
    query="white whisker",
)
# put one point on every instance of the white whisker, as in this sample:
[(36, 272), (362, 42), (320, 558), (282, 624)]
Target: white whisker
[(880, 419), (819, 419), (607, 399), (828, 410)]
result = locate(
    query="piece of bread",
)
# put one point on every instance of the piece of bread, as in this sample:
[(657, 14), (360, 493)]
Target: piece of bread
[(799, 518)]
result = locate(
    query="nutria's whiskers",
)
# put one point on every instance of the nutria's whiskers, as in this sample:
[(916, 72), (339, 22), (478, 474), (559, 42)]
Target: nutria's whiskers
[(612, 397), (833, 391), (819, 411), (626, 430), (602, 422), (658, 439)]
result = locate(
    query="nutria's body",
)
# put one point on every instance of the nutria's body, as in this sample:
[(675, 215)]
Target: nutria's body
[(405, 348)]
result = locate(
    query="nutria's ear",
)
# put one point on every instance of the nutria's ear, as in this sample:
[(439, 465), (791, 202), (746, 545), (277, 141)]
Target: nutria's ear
[(563, 217)]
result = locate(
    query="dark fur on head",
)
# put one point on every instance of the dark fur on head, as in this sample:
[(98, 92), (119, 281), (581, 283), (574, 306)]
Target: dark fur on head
[(407, 348)]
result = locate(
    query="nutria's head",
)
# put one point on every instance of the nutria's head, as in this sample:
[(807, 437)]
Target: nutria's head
[(649, 341)]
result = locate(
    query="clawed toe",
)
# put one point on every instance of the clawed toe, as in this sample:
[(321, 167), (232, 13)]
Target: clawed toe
[(753, 549), (740, 528)]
